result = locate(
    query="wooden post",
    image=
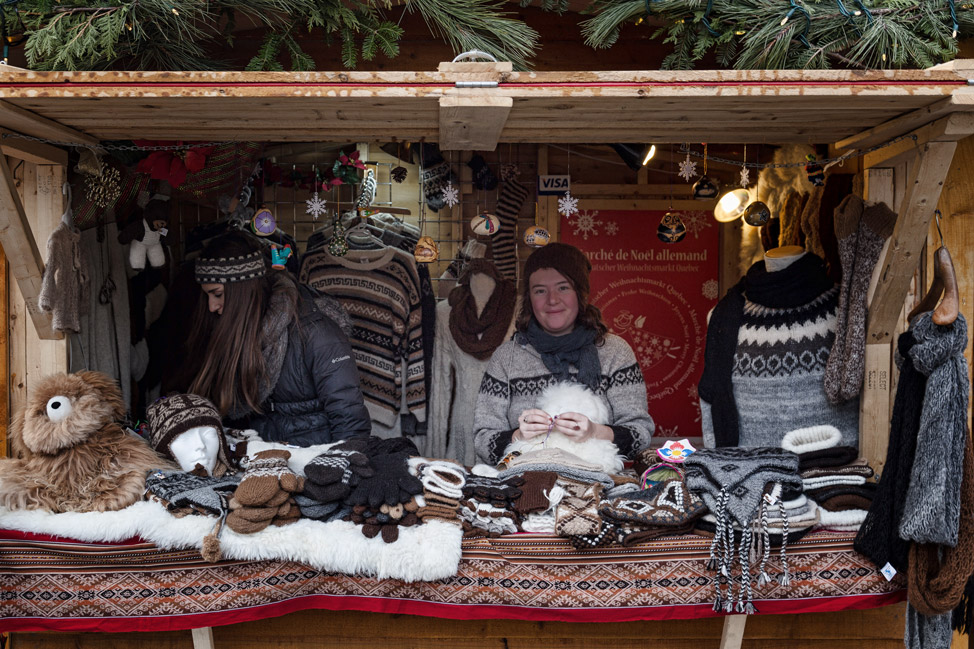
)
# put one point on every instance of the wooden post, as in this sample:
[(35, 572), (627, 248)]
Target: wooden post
[(874, 402), (203, 638), (23, 256), (732, 634)]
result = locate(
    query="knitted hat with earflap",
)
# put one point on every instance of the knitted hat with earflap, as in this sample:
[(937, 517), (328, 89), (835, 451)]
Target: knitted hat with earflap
[(173, 415), (566, 259)]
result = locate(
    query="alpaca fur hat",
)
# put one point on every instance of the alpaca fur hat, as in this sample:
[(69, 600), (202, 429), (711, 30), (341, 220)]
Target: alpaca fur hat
[(566, 259)]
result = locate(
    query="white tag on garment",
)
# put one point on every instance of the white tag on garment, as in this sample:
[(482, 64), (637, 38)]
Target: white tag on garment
[(888, 571), (770, 498), (163, 231)]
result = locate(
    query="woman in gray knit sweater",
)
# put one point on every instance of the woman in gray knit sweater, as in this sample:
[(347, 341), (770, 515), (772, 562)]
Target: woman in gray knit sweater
[(560, 337)]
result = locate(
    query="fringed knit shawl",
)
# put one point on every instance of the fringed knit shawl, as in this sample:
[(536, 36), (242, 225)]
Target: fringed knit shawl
[(733, 482)]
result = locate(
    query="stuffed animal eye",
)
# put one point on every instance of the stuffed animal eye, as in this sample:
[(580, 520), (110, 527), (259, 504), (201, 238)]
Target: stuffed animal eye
[(58, 408)]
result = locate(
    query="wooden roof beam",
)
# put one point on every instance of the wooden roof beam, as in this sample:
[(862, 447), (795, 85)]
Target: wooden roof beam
[(31, 150), (928, 172), (953, 127), (472, 118), (23, 257), (24, 121)]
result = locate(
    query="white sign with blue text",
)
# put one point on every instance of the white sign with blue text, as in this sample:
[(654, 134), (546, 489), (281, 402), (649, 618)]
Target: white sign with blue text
[(553, 185)]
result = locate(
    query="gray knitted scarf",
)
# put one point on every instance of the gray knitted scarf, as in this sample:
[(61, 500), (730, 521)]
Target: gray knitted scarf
[(733, 483), (932, 510)]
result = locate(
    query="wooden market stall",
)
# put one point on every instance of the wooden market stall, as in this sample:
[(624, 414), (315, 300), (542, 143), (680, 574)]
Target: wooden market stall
[(476, 106)]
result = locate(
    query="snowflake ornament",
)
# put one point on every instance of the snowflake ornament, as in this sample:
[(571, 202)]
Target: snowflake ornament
[(688, 169), (451, 195), (709, 289), (316, 206), (567, 204), (745, 177), (586, 223)]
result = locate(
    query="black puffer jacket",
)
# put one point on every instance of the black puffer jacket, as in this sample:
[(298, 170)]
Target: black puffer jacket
[(317, 398)]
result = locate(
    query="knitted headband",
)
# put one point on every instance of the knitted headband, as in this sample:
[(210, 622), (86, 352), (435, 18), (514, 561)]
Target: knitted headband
[(222, 270)]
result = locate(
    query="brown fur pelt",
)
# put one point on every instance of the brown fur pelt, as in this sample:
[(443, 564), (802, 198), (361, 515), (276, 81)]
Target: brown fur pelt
[(72, 456)]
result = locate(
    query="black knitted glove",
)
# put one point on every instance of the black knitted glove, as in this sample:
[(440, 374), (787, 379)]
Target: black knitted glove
[(391, 484), (492, 490), (331, 475)]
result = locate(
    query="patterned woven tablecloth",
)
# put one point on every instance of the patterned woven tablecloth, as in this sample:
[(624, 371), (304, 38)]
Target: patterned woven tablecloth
[(55, 584)]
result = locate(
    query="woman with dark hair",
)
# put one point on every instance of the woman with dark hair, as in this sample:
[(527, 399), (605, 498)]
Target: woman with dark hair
[(560, 337), (269, 356)]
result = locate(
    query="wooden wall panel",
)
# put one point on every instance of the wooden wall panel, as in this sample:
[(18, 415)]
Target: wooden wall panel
[(870, 629)]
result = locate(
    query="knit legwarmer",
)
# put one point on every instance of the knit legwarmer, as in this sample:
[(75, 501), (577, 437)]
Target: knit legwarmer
[(504, 244), (932, 510)]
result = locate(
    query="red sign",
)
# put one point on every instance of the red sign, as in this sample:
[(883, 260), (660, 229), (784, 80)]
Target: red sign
[(656, 295)]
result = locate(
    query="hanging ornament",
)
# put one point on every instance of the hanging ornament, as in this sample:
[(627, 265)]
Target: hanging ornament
[(399, 174), (671, 228), (688, 168), (745, 172), (509, 172), (263, 224), (104, 188), (757, 214), (705, 189), (536, 236), (338, 246), (451, 195), (485, 224), (426, 250), (316, 205), (815, 171), (568, 204)]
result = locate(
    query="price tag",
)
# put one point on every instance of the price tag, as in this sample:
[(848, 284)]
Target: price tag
[(888, 571), (163, 231), (770, 499)]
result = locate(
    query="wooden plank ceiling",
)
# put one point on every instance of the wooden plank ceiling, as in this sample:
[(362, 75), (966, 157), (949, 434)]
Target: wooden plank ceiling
[(594, 107)]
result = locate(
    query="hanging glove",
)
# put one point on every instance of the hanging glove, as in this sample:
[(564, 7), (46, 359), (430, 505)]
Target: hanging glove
[(331, 475), (391, 483), (266, 476)]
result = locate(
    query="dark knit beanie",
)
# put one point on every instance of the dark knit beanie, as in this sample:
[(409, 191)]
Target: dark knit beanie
[(566, 259), (222, 270), (178, 413)]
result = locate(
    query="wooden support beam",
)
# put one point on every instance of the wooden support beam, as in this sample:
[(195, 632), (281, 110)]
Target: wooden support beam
[(472, 123), (960, 100), (732, 635), (23, 257), (23, 121), (951, 128), (203, 638), (31, 150), (915, 213)]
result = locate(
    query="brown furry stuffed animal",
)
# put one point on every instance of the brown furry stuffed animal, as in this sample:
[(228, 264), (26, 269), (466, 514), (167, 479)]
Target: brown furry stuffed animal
[(72, 456)]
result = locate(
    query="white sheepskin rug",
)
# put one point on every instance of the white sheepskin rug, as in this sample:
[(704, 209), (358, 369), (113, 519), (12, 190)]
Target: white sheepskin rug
[(423, 553), (573, 397)]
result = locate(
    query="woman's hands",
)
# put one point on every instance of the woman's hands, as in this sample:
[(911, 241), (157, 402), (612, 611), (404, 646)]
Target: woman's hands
[(534, 423)]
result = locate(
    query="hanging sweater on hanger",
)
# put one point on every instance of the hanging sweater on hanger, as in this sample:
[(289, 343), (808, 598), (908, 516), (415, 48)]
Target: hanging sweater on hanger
[(380, 290), (64, 289), (768, 341)]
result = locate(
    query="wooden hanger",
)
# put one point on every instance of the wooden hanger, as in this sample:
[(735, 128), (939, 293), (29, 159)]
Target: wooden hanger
[(944, 284)]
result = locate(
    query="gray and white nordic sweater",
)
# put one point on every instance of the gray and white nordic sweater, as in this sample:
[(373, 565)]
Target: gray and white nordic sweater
[(777, 379), (516, 376)]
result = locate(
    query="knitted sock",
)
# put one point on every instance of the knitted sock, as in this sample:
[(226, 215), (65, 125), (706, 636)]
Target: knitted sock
[(847, 217), (811, 223), (504, 246), (435, 174), (874, 229), (266, 475), (483, 177)]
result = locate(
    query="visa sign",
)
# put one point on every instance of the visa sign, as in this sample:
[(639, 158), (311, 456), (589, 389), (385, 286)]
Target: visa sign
[(551, 185)]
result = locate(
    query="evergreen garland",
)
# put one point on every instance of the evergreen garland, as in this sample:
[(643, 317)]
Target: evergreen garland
[(178, 34), (786, 34)]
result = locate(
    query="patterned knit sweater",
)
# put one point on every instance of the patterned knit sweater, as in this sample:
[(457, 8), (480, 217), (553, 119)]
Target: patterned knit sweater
[(778, 373), (516, 376), (380, 291)]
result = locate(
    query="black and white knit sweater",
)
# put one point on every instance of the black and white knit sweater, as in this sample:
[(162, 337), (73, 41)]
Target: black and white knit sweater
[(381, 292), (778, 372), (516, 376)]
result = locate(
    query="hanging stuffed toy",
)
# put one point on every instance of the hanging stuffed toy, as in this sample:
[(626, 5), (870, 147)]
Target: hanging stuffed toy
[(147, 235), (70, 455)]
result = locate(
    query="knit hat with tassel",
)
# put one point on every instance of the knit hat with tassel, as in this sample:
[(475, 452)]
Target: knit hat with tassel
[(734, 483)]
